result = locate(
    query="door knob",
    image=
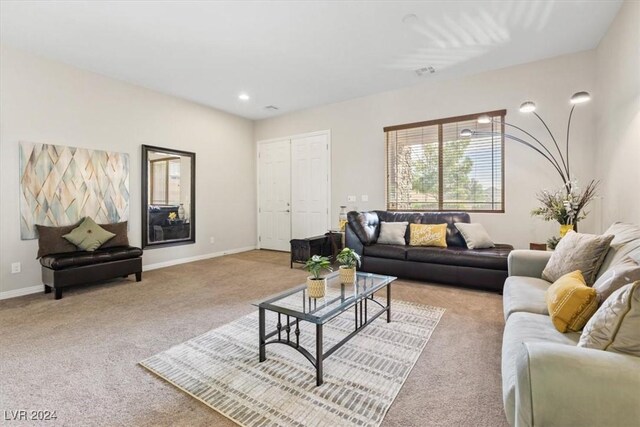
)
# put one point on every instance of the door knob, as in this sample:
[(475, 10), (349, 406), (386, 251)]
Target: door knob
[(287, 210)]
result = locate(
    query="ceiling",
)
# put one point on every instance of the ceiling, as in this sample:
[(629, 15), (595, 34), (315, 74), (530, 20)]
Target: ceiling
[(297, 55)]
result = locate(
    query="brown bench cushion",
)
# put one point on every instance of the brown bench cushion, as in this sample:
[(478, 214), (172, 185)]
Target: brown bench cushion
[(80, 258), (492, 258)]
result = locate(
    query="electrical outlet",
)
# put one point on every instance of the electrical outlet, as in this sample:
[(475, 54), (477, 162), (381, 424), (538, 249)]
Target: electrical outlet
[(351, 198), (212, 240), (364, 198), (15, 268)]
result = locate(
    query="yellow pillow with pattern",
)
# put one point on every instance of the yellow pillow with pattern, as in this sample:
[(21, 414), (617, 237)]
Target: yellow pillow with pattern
[(571, 302), (428, 235)]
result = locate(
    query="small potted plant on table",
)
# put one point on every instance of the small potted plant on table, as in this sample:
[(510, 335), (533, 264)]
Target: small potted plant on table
[(316, 285), (349, 260)]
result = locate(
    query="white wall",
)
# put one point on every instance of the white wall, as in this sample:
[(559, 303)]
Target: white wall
[(618, 116), (48, 102), (358, 139)]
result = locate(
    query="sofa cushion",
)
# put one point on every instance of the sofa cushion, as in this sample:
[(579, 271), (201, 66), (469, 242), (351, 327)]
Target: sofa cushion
[(428, 235), (520, 328), (622, 273), (120, 230), (80, 258), (577, 251), (494, 258), (392, 233), (616, 325), (365, 225), (625, 243), (475, 236), (571, 302), (386, 251), (524, 294), (454, 238), (89, 236), (50, 240)]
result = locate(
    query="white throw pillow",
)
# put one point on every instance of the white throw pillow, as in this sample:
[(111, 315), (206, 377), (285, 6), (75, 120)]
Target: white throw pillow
[(392, 233), (475, 235)]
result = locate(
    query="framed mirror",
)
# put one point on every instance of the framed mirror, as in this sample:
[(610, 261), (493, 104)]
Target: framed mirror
[(168, 197)]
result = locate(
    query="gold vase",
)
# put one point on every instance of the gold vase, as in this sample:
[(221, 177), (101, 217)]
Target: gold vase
[(347, 275), (316, 288), (564, 229)]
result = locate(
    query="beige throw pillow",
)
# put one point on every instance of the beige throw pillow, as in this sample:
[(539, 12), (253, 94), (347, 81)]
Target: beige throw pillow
[(392, 233), (577, 251), (475, 236), (625, 272), (616, 325)]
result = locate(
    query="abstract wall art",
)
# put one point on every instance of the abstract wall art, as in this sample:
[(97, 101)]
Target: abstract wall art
[(60, 185)]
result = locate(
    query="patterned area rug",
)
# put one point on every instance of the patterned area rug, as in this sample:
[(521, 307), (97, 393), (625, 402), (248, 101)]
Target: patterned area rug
[(361, 379)]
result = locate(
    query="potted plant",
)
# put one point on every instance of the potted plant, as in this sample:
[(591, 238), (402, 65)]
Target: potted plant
[(348, 260), (316, 285)]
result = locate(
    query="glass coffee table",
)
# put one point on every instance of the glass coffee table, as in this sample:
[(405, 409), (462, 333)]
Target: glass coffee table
[(294, 306)]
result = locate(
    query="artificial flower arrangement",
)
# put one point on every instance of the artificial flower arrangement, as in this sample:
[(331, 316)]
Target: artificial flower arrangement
[(567, 204)]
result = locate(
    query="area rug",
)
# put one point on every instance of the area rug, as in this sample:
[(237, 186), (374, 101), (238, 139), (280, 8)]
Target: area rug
[(361, 379)]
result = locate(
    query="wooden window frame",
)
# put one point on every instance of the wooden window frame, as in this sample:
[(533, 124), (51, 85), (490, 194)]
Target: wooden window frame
[(439, 123), (166, 182)]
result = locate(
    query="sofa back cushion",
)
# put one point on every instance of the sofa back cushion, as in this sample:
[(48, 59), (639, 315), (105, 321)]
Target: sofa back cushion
[(577, 251), (614, 327), (454, 238), (366, 225), (50, 240), (625, 244)]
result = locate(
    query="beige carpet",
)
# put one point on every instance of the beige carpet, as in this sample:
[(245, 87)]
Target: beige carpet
[(78, 356)]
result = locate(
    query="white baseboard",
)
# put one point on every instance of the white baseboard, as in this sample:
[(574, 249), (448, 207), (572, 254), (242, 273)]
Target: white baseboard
[(164, 264), (39, 288), (21, 292)]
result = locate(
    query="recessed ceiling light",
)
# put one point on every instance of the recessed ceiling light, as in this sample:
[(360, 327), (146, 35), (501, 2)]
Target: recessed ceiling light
[(425, 70), (244, 97)]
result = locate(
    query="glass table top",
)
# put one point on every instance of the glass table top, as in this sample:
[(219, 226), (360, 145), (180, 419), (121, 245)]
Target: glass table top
[(338, 297)]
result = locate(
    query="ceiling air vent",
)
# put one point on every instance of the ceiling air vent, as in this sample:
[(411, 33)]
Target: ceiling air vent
[(271, 108), (425, 70)]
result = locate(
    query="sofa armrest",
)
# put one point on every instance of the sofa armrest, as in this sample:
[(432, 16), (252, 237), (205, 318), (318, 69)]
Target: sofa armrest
[(563, 385), (352, 241), (523, 262)]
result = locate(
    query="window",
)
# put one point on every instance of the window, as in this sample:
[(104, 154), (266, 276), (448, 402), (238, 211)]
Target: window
[(165, 181), (430, 167)]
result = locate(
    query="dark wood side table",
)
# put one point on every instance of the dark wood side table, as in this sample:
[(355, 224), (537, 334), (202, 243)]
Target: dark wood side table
[(538, 246), (303, 249)]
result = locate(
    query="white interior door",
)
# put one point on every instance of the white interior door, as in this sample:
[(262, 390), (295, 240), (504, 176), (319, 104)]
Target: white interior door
[(310, 185), (274, 186)]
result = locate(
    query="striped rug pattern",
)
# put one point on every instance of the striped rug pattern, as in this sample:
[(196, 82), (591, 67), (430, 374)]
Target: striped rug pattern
[(221, 369)]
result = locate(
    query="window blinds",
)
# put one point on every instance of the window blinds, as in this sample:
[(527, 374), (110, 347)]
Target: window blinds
[(430, 167)]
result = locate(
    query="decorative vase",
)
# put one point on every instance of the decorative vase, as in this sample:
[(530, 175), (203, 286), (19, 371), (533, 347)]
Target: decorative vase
[(564, 229), (342, 218), (181, 211), (347, 275), (316, 288)]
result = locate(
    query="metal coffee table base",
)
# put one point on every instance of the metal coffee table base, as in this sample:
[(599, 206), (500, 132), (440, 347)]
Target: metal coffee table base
[(288, 331)]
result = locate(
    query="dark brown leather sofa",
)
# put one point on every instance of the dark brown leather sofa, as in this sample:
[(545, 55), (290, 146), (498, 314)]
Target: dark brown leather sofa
[(455, 265)]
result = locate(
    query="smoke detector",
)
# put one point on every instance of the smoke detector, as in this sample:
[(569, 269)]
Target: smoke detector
[(425, 70), (271, 108)]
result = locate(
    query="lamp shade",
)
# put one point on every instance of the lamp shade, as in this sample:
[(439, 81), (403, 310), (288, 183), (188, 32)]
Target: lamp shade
[(465, 133), (580, 97), (527, 107)]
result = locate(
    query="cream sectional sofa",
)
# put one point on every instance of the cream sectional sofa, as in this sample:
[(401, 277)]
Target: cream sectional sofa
[(547, 380)]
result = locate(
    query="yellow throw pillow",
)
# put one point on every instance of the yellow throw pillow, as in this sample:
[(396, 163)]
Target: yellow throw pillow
[(428, 235), (571, 302)]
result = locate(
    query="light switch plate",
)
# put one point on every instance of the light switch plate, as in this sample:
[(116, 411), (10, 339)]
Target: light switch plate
[(351, 198), (364, 198), (15, 268)]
